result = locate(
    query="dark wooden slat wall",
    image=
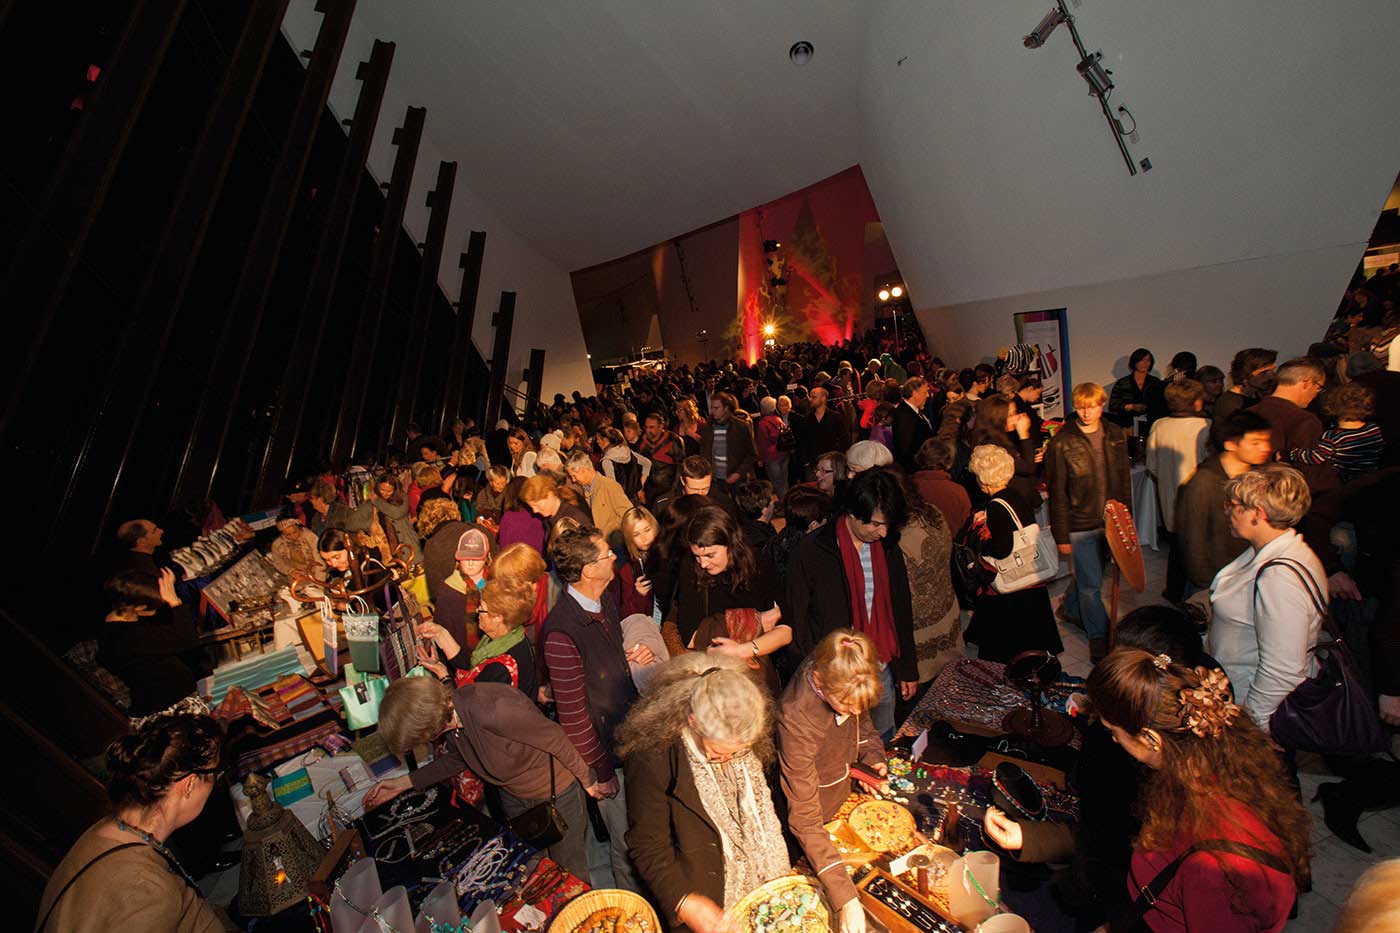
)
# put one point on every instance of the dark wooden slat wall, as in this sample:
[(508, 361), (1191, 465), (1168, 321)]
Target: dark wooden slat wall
[(101, 423)]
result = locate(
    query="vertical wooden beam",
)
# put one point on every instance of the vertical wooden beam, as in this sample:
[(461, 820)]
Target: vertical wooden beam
[(36, 278), (534, 380), (410, 374), (204, 446), (503, 320), (280, 449), (352, 397), (470, 264), (115, 422)]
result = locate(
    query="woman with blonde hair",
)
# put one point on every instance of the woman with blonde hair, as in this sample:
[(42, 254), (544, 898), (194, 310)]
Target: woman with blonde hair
[(522, 452), (688, 425), (1267, 604), (631, 583), (1224, 838), (498, 734), (1374, 904), (824, 724), (703, 829)]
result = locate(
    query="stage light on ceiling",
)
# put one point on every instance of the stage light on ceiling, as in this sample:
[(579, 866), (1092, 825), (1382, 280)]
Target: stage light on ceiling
[(769, 330), (1042, 31), (883, 294), (1091, 69), (897, 292), (771, 246), (801, 52)]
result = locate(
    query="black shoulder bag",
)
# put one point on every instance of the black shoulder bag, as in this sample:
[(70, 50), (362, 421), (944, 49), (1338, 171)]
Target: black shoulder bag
[(1331, 713), (542, 825)]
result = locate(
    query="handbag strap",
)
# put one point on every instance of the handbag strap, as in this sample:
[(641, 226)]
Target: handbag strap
[(1014, 517), (1148, 893), (78, 874), (1314, 591)]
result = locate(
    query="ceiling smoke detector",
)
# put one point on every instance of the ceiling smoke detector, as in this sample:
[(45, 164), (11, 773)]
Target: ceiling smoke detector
[(801, 52)]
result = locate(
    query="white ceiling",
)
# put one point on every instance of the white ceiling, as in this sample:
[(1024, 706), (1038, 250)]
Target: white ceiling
[(601, 127), (594, 129)]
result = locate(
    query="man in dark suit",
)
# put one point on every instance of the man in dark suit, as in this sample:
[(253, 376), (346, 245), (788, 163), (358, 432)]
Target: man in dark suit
[(911, 425), (821, 431)]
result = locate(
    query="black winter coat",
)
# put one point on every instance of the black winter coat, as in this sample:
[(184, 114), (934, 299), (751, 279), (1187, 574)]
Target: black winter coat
[(819, 596)]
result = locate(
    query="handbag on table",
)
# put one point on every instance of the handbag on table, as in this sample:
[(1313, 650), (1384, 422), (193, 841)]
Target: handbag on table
[(1331, 713)]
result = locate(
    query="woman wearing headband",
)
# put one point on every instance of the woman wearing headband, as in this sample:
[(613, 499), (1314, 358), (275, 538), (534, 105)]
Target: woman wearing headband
[(704, 832), (824, 724), (1224, 839)]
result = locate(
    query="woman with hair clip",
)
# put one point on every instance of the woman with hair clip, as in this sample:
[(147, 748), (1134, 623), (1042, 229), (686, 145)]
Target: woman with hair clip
[(703, 829), (726, 578), (1224, 839), (120, 874), (824, 724)]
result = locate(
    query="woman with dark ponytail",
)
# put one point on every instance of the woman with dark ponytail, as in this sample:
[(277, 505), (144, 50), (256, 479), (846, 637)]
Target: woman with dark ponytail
[(1224, 839), (120, 874)]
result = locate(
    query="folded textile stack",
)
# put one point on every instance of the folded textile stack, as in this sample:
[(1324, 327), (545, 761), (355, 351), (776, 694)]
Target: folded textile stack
[(254, 673)]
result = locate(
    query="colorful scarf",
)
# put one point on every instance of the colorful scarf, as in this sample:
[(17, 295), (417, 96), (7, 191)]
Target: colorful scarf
[(491, 647), (879, 626)]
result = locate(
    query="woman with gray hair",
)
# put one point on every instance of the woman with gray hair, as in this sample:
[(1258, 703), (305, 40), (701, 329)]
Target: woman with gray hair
[(1267, 604), (1005, 624), (703, 829), (766, 434)]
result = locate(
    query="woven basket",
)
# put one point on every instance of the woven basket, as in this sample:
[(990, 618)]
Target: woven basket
[(771, 889), (579, 909)]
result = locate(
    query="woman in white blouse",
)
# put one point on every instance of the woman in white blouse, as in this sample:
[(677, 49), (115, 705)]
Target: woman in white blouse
[(1266, 603)]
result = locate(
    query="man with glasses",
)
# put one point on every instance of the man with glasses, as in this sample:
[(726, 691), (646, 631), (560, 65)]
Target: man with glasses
[(1294, 427), (1086, 464), (850, 573), (586, 667)]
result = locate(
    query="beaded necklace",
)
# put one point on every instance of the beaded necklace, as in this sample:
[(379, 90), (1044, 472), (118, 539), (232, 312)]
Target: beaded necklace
[(174, 863)]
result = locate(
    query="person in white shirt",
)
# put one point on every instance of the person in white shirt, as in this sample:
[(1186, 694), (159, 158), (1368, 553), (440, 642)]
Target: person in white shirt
[(1177, 444), (1267, 603)]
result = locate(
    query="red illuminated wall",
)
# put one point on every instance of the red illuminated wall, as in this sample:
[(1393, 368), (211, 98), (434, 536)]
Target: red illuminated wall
[(822, 230)]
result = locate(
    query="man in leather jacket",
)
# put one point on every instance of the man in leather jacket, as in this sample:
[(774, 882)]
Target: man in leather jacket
[(1086, 464)]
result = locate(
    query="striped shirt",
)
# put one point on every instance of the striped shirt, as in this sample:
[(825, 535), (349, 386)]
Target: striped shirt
[(721, 451), (566, 681), (867, 570), (1349, 451)]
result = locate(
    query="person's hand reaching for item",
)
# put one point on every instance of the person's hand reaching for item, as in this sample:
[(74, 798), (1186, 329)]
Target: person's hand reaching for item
[(852, 916), (701, 914), (385, 791), (428, 659), (1003, 830), (735, 649), (167, 587), (640, 654)]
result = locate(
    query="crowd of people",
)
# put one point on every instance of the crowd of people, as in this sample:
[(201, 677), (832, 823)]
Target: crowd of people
[(699, 595)]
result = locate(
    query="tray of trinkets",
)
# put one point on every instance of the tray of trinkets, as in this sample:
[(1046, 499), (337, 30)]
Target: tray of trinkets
[(790, 904), (607, 910)]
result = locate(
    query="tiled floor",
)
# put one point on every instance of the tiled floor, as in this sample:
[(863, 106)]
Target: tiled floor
[(1335, 864)]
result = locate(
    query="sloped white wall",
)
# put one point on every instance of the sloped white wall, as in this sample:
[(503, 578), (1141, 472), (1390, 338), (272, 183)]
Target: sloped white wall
[(1281, 302), (545, 313), (1273, 148)]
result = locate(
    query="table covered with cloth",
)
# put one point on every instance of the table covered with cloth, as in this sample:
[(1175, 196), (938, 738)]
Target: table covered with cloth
[(975, 692)]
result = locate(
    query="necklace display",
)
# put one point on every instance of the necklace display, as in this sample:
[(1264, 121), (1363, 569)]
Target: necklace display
[(410, 808), (154, 843)]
